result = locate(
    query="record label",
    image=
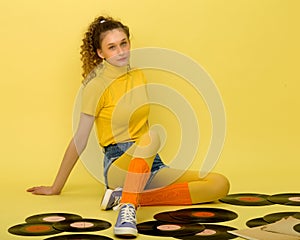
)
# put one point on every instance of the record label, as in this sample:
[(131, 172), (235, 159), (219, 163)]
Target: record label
[(203, 215), (156, 228), (212, 232), (247, 199), (33, 229), (79, 237), (82, 225), (250, 199), (206, 232), (292, 199), (168, 227), (52, 217)]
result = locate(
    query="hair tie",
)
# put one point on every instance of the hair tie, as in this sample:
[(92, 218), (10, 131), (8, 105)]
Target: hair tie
[(102, 21)]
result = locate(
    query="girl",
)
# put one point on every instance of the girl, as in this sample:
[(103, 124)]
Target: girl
[(115, 98)]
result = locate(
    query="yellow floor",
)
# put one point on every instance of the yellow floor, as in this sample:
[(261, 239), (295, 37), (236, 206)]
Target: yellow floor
[(82, 196)]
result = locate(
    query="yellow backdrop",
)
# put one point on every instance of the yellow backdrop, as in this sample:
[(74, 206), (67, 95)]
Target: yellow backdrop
[(249, 47)]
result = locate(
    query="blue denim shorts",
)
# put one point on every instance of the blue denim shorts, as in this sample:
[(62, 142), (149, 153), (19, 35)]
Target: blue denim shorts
[(114, 151)]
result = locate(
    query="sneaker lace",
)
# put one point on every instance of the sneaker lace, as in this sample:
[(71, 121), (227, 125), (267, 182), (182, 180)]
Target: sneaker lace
[(116, 201), (127, 214)]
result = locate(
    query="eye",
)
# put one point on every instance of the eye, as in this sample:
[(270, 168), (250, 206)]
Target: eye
[(112, 47), (124, 44)]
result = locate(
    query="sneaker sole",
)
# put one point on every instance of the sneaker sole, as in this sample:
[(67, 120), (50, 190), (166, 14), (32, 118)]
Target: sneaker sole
[(125, 232), (105, 199)]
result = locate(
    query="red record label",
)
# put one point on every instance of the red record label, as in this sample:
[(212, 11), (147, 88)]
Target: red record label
[(203, 214), (33, 229)]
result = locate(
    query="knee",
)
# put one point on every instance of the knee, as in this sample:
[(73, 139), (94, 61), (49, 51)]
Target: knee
[(150, 139), (221, 184)]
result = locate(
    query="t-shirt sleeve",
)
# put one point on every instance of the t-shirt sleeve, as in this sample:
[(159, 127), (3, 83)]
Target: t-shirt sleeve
[(92, 99)]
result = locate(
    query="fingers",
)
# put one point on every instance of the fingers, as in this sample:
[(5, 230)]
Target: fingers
[(41, 190)]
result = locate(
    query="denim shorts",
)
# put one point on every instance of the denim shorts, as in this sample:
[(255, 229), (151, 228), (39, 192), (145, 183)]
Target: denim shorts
[(114, 151)]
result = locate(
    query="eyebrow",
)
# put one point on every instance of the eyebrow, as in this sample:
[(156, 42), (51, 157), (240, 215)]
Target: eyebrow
[(124, 39)]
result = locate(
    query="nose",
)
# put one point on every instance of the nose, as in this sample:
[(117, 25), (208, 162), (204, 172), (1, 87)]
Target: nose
[(120, 50)]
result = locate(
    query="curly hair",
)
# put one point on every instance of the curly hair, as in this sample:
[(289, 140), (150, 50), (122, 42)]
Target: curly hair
[(92, 41)]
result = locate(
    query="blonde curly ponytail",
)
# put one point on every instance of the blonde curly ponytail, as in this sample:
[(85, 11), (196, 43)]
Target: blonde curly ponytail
[(92, 41)]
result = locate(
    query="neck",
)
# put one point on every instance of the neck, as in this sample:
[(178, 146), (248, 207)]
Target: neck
[(114, 71)]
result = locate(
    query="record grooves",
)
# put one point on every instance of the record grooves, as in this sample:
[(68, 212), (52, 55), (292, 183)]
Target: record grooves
[(247, 199), (203, 215), (33, 229), (79, 237), (256, 222), (82, 225), (165, 217), (291, 199), (297, 228), (274, 217), (212, 232), (156, 228), (52, 217)]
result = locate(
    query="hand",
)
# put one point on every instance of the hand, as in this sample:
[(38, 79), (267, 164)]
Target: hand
[(43, 190)]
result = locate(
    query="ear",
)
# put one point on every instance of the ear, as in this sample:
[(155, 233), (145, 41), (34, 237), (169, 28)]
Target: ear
[(99, 52)]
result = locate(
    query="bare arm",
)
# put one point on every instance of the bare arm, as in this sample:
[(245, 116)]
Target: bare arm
[(73, 151)]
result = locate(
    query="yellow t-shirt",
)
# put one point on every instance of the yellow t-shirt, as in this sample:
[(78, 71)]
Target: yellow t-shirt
[(118, 100)]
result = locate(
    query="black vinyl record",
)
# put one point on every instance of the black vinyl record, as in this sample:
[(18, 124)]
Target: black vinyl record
[(247, 199), (297, 215), (297, 228), (165, 217), (79, 237), (52, 217), (212, 232), (292, 199), (33, 229), (274, 217), (156, 228), (256, 222), (203, 215), (82, 225)]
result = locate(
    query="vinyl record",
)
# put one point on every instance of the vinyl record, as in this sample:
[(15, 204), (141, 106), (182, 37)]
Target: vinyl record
[(165, 217), (247, 199), (204, 215), (82, 225), (297, 215), (297, 228), (274, 217), (79, 237), (212, 232), (292, 199), (256, 222), (33, 229), (52, 217), (156, 228)]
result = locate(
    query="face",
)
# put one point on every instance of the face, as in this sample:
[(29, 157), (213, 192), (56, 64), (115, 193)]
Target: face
[(115, 48)]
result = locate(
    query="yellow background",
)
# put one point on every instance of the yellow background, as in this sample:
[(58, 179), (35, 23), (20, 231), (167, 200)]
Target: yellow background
[(249, 47)]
